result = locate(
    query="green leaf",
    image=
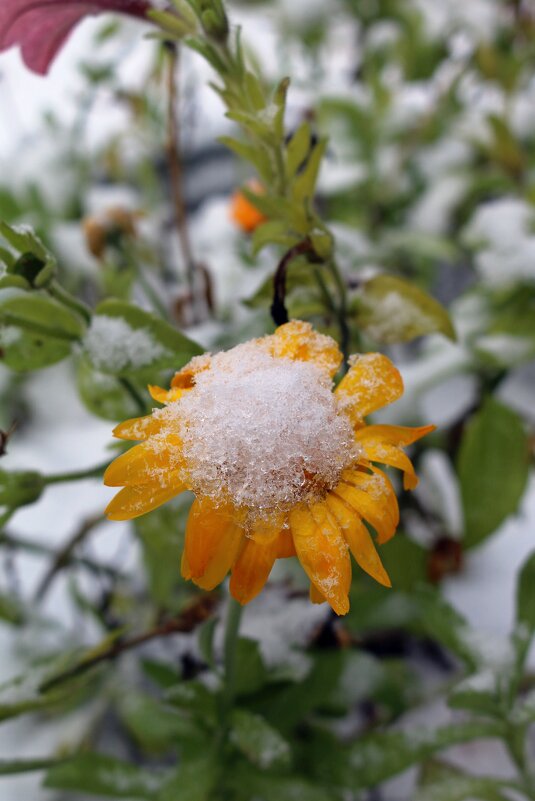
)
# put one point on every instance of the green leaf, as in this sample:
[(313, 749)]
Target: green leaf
[(26, 242), (441, 782), (164, 346), (257, 740), (249, 783), (35, 331), (103, 775), (372, 759), (297, 149), (304, 185), (105, 395), (20, 488), (11, 610), (155, 726), (162, 538), (251, 153), (273, 232), (479, 693), (525, 594), (194, 779), (194, 699), (390, 309), (405, 562), (250, 673), (206, 634), (493, 469)]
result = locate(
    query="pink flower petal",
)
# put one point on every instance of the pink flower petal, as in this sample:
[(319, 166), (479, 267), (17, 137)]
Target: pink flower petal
[(41, 27)]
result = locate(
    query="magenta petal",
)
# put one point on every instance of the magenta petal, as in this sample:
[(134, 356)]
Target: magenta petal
[(41, 27)]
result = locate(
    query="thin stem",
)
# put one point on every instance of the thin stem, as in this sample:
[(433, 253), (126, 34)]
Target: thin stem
[(134, 394), (56, 290), (186, 622), (232, 628), (76, 475), (175, 165)]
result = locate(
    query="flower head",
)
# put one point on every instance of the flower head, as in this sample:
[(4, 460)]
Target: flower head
[(279, 463), (41, 27)]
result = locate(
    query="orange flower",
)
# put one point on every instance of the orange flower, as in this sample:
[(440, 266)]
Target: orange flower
[(280, 464), (242, 211)]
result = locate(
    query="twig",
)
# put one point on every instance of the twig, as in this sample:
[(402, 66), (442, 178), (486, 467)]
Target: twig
[(278, 309), (37, 548), (64, 556), (175, 166), (185, 623)]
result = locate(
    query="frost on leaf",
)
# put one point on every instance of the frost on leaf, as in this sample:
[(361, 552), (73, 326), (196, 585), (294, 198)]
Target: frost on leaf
[(113, 346)]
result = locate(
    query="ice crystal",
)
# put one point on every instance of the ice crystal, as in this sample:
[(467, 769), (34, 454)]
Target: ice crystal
[(112, 345), (261, 431)]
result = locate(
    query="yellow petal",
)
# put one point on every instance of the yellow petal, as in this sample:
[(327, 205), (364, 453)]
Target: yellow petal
[(148, 463), (323, 552), (185, 378), (251, 569), (134, 501), (139, 428), (285, 545), (371, 383), (369, 508), (214, 536), (165, 395), (393, 457), (394, 435), (298, 340), (378, 486), (359, 540)]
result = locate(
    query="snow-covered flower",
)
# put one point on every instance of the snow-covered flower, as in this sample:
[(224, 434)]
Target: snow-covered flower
[(41, 27), (280, 464)]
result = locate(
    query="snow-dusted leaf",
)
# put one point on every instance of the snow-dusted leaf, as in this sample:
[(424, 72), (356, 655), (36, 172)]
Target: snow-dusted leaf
[(25, 242), (157, 727), (493, 469), (105, 776), (124, 340), (390, 309), (35, 331), (262, 744), (479, 693), (105, 395)]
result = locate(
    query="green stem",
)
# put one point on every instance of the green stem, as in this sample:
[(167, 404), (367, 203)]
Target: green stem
[(342, 309), (134, 394), (64, 297), (76, 475), (229, 655)]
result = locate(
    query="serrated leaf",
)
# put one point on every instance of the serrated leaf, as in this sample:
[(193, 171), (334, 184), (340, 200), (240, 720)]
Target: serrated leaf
[(166, 347), (261, 743), (493, 468), (390, 309), (105, 776)]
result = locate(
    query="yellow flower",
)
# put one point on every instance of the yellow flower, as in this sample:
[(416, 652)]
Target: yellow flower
[(279, 463)]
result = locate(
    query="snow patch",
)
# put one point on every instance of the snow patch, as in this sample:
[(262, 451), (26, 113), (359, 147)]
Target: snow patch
[(112, 345)]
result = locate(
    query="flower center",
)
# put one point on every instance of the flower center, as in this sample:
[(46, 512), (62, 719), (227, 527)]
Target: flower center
[(262, 432)]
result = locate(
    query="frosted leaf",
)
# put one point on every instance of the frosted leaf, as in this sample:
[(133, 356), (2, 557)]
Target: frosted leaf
[(9, 334), (112, 345), (260, 431)]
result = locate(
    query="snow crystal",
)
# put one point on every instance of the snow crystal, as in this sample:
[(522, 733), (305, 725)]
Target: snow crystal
[(112, 345), (264, 432)]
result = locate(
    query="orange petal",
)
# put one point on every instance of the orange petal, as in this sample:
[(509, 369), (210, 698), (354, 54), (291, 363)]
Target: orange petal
[(146, 464), (214, 536), (139, 428), (368, 507), (393, 457), (165, 395), (251, 569), (359, 540), (285, 545), (394, 435), (316, 597), (134, 501), (185, 378), (266, 530), (371, 383), (298, 340), (323, 552)]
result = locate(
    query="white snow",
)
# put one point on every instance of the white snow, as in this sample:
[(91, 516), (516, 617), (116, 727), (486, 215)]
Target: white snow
[(112, 345)]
